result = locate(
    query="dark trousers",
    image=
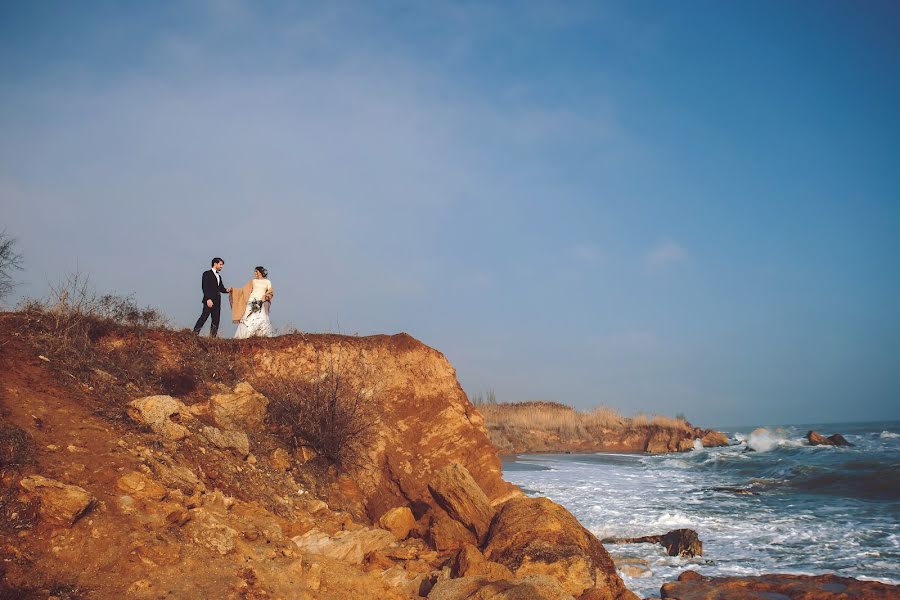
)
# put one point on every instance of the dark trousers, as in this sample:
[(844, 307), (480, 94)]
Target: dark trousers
[(215, 311)]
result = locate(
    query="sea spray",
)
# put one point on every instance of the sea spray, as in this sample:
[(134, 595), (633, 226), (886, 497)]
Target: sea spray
[(763, 440)]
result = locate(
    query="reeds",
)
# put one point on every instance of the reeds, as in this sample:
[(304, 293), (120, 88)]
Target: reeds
[(556, 417)]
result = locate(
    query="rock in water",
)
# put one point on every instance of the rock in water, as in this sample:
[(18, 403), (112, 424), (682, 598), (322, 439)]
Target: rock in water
[(457, 493), (682, 542), (538, 536), (678, 542), (799, 587), (60, 502), (838, 440), (816, 439)]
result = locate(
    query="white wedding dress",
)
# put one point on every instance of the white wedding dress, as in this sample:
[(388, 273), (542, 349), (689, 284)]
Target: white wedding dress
[(255, 321)]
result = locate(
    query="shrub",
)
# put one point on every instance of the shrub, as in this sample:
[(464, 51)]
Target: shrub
[(332, 412), (10, 261)]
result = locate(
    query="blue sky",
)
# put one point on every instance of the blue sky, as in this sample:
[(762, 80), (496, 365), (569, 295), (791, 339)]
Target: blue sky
[(666, 207)]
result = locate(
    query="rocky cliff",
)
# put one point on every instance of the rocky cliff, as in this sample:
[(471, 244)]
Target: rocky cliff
[(142, 463)]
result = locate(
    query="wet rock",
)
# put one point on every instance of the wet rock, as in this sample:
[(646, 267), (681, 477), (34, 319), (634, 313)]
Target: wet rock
[(837, 439), (59, 502), (532, 587), (454, 489), (161, 413), (796, 587), (399, 521), (679, 542), (470, 562), (537, 536), (350, 546), (712, 438), (816, 439), (228, 440), (243, 409)]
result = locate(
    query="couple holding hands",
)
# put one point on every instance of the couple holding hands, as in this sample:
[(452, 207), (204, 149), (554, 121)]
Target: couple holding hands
[(249, 305)]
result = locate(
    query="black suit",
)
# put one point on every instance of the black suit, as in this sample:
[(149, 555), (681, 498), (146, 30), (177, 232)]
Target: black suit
[(212, 287)]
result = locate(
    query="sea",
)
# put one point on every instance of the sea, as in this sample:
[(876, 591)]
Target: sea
[(768, 503)]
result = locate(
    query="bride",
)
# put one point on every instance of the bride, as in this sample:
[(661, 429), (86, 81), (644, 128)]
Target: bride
[(250, 306)]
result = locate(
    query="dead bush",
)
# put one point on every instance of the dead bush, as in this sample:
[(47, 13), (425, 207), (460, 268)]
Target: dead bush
[(16, 448), (331, 412)]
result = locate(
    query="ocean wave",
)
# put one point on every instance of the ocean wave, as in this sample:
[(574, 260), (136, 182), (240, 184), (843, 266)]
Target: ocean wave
[(889, 435), (672, 520)]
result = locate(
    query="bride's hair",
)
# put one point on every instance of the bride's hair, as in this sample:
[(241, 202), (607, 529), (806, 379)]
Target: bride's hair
[(262, 271)]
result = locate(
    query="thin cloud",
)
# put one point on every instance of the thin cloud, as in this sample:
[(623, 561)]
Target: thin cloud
[(665, 255)]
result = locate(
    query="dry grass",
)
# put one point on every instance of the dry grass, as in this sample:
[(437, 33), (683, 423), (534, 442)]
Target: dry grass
[(559, 418), (109, 344)]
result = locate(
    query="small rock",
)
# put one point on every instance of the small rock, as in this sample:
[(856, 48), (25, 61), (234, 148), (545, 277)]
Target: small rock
[(178, 517), (139, 485), (228, 440), (399, 521), (281, 460), (242, 409), (60, 502)]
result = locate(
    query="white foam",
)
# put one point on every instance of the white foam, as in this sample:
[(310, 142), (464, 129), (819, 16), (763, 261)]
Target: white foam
[(763, 440), (698, 445), (889, 435)]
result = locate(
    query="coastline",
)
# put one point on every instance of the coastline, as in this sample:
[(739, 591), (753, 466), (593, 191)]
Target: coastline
[(111, 455)]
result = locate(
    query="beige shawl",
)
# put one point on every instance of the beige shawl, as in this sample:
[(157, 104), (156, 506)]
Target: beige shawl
[(239, 297)]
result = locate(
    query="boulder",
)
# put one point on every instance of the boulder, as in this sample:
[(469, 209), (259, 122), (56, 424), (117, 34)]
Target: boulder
[(711, 438), (443, 533), (538, 536), (160, 414), (470, 562), (60, 503), (349, 546), (797, 587), (399, 521), (532, 587), (243, 409), (816, 439), (228, 440), (454, 489)]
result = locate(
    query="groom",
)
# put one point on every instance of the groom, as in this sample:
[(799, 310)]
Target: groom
[(212, 305)]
